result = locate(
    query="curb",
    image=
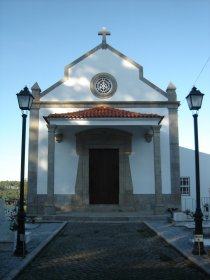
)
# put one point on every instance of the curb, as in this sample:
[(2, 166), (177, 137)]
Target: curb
[(13, 273)]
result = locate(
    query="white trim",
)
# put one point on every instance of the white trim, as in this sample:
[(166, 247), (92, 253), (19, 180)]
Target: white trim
[(105, 121)]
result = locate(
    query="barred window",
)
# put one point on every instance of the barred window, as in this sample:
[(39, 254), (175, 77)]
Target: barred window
[(185, 185)]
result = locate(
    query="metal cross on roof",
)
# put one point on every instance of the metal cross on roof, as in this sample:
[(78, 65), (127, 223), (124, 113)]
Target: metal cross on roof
[(104, 33)]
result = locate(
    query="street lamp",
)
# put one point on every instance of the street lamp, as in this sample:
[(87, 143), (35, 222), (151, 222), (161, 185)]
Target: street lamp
[(194, 100), (25, 100)]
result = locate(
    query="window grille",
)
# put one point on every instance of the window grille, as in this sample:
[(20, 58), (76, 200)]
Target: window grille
[(185, 185)]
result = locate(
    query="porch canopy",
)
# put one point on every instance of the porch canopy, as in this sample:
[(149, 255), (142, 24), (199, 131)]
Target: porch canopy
[(102, 115)]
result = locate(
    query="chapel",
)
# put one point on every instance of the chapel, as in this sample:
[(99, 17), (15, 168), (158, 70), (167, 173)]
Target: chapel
[(103, 138)]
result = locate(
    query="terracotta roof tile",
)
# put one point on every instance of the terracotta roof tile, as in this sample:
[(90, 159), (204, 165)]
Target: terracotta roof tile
[(101, 112)]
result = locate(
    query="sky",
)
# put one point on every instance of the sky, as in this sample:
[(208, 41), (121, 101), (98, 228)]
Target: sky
[(169, 38)]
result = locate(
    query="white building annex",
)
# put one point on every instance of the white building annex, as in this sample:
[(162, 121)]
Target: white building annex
[(188, 182), (103, 138)]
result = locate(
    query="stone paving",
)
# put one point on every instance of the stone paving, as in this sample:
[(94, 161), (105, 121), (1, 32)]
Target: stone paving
[(10, 264), (112, 251)]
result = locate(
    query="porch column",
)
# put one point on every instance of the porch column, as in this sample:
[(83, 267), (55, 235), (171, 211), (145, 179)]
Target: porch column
[(49, 206), (157, 170)]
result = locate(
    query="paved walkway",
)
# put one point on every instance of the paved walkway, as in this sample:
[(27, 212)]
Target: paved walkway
[(115, 251), (41, 234)]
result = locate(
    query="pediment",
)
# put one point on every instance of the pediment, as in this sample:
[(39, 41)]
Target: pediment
[(76, 84)]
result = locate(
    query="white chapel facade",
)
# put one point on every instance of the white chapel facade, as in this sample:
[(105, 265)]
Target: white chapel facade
[(103, 138)]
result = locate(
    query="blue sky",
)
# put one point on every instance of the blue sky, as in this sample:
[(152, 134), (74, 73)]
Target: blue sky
[(169, 38)]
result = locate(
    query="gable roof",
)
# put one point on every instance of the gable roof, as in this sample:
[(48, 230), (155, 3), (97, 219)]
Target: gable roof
[(115, 51), (102, 112)]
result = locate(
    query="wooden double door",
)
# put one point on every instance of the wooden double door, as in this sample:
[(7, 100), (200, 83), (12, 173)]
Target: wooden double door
[(104, 176)]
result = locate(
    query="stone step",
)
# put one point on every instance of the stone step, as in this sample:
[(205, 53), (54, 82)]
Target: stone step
[(99, 217)]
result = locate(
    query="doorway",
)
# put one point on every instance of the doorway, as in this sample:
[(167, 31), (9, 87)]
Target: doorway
[(104, 176)]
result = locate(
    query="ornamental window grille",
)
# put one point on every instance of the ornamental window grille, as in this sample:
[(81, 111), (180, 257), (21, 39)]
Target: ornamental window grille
[(103, 85), (185, 185)]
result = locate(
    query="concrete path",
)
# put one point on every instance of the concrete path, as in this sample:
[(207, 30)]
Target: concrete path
[(41, 235), (115, 250)]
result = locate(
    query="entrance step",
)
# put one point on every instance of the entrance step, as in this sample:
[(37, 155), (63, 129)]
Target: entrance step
[(103, 217)]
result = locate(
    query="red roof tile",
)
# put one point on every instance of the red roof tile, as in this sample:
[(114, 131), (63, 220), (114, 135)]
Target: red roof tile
[(101, 112)]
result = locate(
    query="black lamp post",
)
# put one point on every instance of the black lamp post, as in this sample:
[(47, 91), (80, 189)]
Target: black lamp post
[(194, 100), (25, 99)]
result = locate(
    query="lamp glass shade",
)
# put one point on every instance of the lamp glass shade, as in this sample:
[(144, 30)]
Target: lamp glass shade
[(25, 99), (194, 99)]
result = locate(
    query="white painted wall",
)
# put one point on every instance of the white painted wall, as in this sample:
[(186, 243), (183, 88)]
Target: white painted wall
[(142, 163), (66, 163), (69, 147), (187, 169), (130, 87), (142, 160)]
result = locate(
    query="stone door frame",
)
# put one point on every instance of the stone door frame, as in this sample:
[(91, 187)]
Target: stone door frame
[(103, 138)]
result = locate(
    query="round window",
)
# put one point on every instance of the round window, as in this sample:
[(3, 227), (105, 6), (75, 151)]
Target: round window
[(103, 85)]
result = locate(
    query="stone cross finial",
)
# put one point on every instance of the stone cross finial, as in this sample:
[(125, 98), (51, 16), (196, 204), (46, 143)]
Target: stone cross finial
[(104, 33)]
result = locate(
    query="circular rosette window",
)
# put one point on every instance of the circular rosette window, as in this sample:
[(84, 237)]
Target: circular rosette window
[(103, 85)]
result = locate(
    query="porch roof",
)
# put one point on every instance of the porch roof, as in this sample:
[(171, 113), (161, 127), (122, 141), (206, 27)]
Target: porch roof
[(102, 112)]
